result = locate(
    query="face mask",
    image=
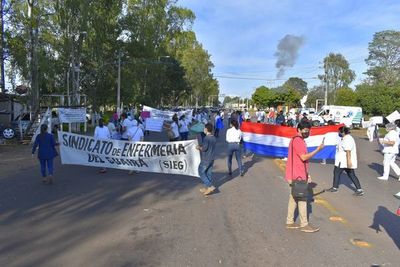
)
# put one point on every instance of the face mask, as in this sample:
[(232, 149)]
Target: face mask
[(305, 135)]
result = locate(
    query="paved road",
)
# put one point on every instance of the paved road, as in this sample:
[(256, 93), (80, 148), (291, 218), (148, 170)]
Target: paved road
[(146, 219)]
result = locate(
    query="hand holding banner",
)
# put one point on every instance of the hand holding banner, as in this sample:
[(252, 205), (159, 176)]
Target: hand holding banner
[(161, 157)]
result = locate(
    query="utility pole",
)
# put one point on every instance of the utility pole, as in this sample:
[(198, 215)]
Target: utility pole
[(33, 62), (2, 79), (119, 85), (326, 92)]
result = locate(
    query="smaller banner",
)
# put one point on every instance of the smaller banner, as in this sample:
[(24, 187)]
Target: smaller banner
[(154, 125), (72, 115), (395, 115), (167, 114), (161, 157), (159, 114), (145, 114)]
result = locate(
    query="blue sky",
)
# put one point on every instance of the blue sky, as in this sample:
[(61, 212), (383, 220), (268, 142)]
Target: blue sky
[(242, 36)]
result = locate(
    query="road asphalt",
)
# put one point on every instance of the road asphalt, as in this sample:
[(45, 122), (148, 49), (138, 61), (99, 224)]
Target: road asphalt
[(115, 219)]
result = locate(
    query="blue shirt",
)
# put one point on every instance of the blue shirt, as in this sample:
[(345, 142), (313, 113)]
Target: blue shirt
[(208, 149), (46, 143)]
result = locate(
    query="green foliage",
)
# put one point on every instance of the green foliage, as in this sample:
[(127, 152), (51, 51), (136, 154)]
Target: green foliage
[(337, 73), (317, 92), (264, 97), (297, 84), (346, 97), (384, 57), (162, 61), (378, 99)]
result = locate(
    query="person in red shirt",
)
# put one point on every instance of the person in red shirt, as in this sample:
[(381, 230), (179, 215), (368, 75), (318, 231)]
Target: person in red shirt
[(297, 168)]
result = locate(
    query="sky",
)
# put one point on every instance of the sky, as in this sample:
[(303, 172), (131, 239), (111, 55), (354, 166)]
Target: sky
[(242, 37)]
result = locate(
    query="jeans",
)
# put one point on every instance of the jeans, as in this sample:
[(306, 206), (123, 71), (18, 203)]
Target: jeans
[(302, 208), (43, 163), (234, 148), (389, 160), (337, 171), (205, 172), (216, 132), (184, 136)]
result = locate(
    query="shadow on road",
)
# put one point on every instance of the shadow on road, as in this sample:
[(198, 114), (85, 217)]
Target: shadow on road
[(39, 222), (376, 167), (389, 221)]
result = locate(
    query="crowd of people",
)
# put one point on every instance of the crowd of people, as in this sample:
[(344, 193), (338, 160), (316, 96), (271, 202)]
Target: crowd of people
[(206, 127)]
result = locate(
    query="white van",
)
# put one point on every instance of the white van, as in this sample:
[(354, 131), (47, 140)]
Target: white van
[(349, 116)]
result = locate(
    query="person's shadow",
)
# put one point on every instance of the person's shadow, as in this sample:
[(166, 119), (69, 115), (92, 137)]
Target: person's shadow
[(389, 221)]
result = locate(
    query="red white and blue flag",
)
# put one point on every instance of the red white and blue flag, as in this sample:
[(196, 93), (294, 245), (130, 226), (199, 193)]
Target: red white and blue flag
[(273, 140)]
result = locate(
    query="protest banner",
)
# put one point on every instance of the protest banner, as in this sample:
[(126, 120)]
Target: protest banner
[(72, 115), (167, 114), (395, 115), (154, 125), (161, 157), (159, 114)]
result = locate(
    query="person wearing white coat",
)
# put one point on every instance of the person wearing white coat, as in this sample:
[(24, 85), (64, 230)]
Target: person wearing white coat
[(390, 150)]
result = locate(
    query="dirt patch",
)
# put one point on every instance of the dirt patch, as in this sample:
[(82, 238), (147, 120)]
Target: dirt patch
[(14, 158)]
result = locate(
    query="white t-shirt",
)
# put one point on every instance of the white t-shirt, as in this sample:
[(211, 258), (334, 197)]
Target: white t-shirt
[(392, 135), (128, 123), (183, 126), (260, 115), (246, 115), (233, 135), (346, 143), (102, 133), (175, 129), (135, 133)]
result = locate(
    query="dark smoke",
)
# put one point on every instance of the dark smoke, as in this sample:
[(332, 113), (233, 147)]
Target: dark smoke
[(287, 53)]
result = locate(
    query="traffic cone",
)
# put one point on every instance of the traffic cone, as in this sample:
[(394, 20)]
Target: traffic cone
[(398, 211)]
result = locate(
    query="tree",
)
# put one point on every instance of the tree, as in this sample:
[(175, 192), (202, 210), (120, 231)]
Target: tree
[(384, 57), (80, 42), (291, 97), (346, 97), (297, 84), (315, 93), (378, 99), (337, 73), (264, 97)]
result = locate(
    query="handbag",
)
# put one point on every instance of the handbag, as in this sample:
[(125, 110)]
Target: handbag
[(299, 186)]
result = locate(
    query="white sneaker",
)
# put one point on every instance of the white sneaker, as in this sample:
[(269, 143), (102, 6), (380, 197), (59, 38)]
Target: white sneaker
[(397, 195), (284, 159), (382, 178)]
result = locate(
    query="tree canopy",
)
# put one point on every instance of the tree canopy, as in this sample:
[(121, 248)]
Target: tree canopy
[(77, 44)]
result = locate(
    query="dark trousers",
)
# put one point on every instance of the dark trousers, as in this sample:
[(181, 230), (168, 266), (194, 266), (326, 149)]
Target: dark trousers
[(43, 163), (234, 148), (216, 132), (184, 136), (337, 171)]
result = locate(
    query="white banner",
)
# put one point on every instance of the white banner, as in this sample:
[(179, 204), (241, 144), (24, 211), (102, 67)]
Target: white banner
[(154, 125), (162, 157), (395, 115), (159, 114), (45, 119), (167, 114), (72, 115)]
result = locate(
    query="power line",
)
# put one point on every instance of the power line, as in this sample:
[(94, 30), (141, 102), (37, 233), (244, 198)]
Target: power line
[(257, 79)]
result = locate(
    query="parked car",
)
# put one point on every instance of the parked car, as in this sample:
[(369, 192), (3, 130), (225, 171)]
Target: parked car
[(12, 130)]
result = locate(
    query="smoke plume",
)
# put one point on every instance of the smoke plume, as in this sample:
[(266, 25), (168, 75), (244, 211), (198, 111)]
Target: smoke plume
[(287, 53)]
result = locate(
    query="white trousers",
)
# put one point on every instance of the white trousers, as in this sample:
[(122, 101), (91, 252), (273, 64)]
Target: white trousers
[(370, 134), (389, 160)]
